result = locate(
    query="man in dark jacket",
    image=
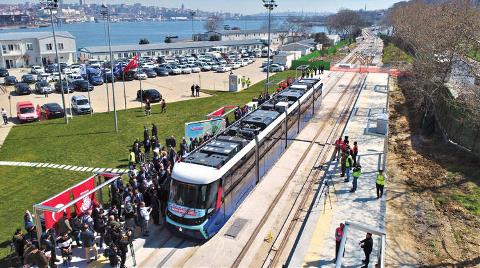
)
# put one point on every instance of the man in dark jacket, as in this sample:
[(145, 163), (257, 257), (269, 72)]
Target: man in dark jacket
[(18, 241), (367, 245), (88, 242), (154, 131)]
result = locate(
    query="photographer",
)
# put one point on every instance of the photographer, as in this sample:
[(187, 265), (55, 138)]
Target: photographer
[(367, 245), (112, 253), (123, 243)]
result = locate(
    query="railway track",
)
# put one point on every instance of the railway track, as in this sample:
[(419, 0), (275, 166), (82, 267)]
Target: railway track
[(285, 233), (351, 96)]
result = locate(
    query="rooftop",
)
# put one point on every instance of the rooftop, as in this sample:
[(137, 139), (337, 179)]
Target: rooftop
[(165, 46), (225, 32), (32, 35)]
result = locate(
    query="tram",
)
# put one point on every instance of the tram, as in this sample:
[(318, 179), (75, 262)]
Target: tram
[(211, 183)]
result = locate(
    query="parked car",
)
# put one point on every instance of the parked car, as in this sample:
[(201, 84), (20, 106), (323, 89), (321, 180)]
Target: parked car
[(213, 66), (95, 80), (23, 89), (75, 68), (37, 69), (173, 69), (161, 71), (149, 72), (129, 76), (4, 72), (139, 75), (10, 80), (275, 68), (108, 77), (151, 94), (185, 69), (52, 110), (194, 68), (45, 76), (28, 78), (74, 77), (26, 112), (43, 87), (82, 85), (81, 105), (56, 76), (204, 67), (223, 69), (66, 86)]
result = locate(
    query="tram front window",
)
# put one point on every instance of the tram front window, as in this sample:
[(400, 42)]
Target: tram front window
[(194, 195), (188, 195)]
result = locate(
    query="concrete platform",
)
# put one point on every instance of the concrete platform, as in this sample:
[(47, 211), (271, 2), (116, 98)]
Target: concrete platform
[(222, 250), (315, 245)]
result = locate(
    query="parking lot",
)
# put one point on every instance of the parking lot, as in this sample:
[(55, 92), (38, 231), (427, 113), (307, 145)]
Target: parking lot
[(172, 88)]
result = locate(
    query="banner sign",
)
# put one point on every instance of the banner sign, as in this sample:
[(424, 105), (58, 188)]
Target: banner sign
[(57, 202), (84, 204), (199, 129), (184, 212)]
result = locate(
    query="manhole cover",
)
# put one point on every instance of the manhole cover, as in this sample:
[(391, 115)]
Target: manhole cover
[(236, 227)]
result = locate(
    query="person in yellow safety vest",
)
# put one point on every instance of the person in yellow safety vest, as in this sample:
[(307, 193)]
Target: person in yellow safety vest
[(248, 82), (380, 183), (348, 166), (131, 158), (357, 171)]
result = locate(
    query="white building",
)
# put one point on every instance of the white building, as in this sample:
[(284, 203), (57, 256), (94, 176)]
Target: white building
[(168, 49), (305, 47), (334, 37), (232, 35), (23, 49)]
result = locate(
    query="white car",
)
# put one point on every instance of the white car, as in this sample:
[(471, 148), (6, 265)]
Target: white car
[(45, 76), (213, 66), (173, 69), (195, 69), (275, 68), (185, 69), (235, 65), (223, 69), (243, 62), (72, 77), (75, 68), (148, 66), (140, 76), (55, 76), (37, 69)]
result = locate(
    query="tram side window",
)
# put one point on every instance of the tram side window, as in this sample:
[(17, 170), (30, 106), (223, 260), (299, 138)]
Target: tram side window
[(212, 196)]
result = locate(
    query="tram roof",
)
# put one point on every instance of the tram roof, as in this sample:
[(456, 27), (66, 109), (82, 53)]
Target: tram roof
[(195, 174)]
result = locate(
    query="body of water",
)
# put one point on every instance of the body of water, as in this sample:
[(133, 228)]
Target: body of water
[(125, 33)]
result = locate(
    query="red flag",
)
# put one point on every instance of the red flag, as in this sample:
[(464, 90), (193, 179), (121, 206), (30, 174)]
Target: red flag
[(84, 204), (58, 202), (131, 65)]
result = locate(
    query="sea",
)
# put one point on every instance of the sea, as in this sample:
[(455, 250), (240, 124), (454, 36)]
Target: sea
[(126, 33)]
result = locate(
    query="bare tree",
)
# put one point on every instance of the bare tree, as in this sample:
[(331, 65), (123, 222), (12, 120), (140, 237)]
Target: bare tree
[(345, 22), (213, 23)]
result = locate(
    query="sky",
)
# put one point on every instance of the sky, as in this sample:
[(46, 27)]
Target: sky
[(250, 6)]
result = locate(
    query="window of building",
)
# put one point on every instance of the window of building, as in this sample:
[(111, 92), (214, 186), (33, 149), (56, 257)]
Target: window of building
[(60, 46), (4, 49), (10, 47), (49, 46), (29, 46)]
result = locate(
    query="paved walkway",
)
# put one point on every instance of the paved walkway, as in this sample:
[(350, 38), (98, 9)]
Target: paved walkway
[(316, 245), (60, 166)]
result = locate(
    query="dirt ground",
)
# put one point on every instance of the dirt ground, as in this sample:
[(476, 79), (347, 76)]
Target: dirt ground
[(426, 225)]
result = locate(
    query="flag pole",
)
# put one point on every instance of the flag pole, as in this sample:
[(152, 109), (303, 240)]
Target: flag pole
[(124, 94)]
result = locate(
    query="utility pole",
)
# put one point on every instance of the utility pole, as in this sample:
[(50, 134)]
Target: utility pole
[(269, 5), (104, 14), (53, 5), (192, 14), (105, 8)]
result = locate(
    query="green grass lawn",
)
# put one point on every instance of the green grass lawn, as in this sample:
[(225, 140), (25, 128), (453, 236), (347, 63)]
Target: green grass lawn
[(91, 141), (392, 54), (20, 189)]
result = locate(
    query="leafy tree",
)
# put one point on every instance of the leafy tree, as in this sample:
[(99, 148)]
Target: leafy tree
[(144, 41), (322, 38), (346, 22)]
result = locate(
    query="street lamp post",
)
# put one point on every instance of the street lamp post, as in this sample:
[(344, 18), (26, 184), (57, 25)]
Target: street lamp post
[(191, 16), (269, 5), (53, 5), (111, 67), (104, 14)]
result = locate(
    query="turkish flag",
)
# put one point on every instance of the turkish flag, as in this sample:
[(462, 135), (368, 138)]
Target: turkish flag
[(57, 202), (84, 204), (131, 65)]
